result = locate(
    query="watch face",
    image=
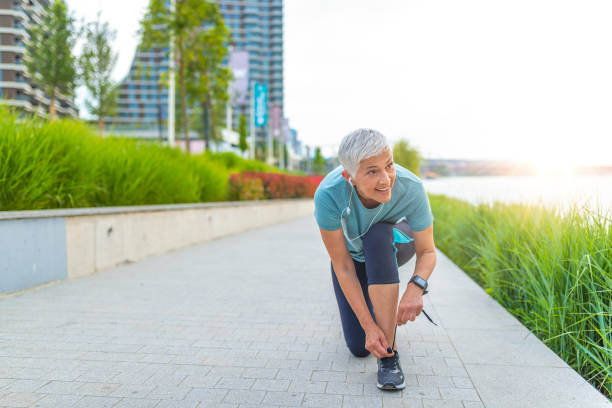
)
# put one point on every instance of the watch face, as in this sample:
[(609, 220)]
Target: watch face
[(419, 281)]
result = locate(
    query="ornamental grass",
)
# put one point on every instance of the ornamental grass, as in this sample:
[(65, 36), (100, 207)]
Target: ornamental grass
[(551, 268)]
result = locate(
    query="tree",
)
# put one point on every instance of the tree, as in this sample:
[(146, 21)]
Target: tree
[(243, 132), (97, 62), (318, 162), (286, 156), (209, 78), (49, 55), (198, 34), (407, 157)]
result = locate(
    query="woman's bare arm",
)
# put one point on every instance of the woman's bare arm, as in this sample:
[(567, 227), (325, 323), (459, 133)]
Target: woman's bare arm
[(344, 268)]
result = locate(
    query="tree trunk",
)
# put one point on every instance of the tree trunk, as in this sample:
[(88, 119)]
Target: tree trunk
[(206, 125), (52, 107), (213, 122), (184, 102), (101, 125)]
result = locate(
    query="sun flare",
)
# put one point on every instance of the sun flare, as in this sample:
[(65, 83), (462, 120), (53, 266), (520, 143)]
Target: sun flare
[(550, 166)]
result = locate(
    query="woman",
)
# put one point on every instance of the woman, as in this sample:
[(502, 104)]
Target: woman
[(374, 216)]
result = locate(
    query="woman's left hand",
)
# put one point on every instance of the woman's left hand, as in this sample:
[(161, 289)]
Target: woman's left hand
[(411, 304)]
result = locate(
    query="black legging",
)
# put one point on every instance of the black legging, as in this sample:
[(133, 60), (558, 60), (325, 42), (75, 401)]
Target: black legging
[(385, 250)]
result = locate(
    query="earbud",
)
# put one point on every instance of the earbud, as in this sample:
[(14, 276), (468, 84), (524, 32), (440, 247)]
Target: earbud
[(348, 210)]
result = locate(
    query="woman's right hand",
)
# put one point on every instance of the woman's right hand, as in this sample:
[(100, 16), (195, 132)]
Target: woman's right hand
[(376, 342)]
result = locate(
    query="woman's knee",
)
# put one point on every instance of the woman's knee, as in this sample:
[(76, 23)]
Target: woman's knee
[(358, 350), (376, 233)]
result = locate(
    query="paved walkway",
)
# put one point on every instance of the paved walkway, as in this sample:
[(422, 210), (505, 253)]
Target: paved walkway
[(251, 321)]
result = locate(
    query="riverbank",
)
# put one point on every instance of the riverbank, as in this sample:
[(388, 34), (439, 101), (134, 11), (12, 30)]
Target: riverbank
[(552, 271)]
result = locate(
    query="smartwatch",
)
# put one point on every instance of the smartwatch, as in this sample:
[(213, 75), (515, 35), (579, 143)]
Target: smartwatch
[(420, 282)]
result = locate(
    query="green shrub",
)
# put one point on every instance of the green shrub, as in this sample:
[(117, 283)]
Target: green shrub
[(64, 164), (235, 163), (45, 165)]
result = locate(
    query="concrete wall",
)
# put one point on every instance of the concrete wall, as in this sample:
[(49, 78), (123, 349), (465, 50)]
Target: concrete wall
[(37, 247), (32, 251)]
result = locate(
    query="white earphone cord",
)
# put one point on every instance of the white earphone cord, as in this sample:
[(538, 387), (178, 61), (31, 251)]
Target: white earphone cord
[(348, 212)]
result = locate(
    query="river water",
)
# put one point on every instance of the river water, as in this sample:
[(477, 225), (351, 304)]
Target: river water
[(595, 192)]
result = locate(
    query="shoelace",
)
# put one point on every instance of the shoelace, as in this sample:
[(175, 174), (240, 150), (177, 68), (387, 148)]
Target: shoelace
[(395, 332), (389, 362)]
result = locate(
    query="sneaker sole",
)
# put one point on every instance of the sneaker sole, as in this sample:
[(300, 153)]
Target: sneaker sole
[(391, 387)]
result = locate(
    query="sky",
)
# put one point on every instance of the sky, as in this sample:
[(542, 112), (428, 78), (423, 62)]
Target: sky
[(473, 79)]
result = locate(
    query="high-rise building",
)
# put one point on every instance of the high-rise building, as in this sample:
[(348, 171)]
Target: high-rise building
[(16, 87), (142, 106), (255, 26)]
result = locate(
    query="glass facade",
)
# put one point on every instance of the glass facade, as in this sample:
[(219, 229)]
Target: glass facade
[(255, 26), (16, 16)]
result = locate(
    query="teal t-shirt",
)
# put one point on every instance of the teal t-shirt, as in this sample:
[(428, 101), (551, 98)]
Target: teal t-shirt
[(408, 202)]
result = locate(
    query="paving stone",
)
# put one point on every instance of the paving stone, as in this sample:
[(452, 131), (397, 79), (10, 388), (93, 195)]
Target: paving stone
[(206, 395), (136, 403), (274, 363), (431, 392), (462, 382), (180, 404), (244, 397), (460, 394), (168, 392), (335, 387), (286, 399), (362, 378), (130, 378), (271, 385), (427, 403), (291, 374), (67, 375), (399, 402), (220, 405), (23, 385), (435, 380), (90, 401), (322, 400), (314, 365), (304, 355), (328, 376), (260, 372), (235, 383), (56, 401), (353, 401), (19, 399), (226, 371), (165, 379), (98, 389), (132, 391), (61, 387), (472, 404), (5, 382), (307, 386), (208, 381)]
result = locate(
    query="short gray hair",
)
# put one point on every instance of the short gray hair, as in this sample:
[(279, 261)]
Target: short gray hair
[(358, 145)]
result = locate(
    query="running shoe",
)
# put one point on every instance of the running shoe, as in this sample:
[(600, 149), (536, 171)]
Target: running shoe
[(390, 375)]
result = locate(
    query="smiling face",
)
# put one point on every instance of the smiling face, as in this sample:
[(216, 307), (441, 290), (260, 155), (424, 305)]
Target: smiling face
[(374, 179)]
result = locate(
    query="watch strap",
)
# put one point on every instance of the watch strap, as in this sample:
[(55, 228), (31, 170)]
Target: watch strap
[(420, 282)]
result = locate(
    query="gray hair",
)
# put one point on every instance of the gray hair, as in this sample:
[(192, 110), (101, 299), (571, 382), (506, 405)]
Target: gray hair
[(358, 145)]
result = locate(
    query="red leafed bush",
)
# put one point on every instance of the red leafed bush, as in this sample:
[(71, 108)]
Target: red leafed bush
[(246, 185), (244, 188)]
